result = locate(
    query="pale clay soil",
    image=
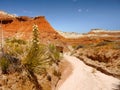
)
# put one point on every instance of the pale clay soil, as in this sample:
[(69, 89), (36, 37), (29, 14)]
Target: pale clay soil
[(83, 77)]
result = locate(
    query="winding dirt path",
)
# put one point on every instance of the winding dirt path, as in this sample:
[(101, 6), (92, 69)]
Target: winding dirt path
[(84, 77)]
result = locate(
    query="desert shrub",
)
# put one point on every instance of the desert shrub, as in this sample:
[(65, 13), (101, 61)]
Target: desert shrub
[(4, 64), (116, 46), (14, 40), (54, 54), (79, 46), (15, 47), (102, 43), (74, 46), (9, 64), (103, 55), (15, 63), (100, 58), (14, 50)]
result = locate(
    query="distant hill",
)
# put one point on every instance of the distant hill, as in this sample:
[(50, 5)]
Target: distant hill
[(92, 33), (21, 27)]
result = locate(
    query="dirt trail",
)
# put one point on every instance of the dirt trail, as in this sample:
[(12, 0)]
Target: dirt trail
[(84, 77)]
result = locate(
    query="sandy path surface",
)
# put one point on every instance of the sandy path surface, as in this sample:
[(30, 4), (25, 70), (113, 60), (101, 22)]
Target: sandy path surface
[(84, 77)]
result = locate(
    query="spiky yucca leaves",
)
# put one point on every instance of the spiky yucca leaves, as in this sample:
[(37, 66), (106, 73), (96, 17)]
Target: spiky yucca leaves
[(55, 57), (40, 58), (54, 54), (37, 58), (36, 61)]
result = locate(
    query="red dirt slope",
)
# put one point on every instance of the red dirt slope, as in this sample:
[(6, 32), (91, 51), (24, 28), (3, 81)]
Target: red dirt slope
[(22, 27)]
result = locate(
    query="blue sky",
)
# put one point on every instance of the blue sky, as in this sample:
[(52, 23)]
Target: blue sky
[(69, 15)]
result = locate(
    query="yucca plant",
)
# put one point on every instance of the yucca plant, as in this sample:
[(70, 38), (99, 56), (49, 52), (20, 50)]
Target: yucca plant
[(39, 58), (37, 55), (31, 61)]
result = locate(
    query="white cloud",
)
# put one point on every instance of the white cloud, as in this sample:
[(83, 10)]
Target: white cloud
[(79, 10), (82, 10), (26, 11), (15, 14), (87, 10)]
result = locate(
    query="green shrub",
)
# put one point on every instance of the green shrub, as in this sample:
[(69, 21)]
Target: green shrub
[(4, 63), (14, 40), (36, 60), (15, 47), (54, 54)]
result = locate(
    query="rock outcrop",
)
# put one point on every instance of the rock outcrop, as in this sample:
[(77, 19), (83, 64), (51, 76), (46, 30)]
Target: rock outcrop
[(21, 27)]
